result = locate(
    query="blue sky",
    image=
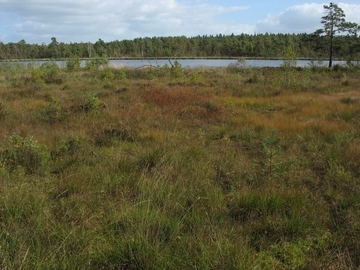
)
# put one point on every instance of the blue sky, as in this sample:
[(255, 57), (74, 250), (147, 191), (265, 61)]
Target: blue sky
[(37, 21)]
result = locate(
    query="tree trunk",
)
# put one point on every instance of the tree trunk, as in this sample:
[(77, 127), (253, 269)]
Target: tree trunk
[(331, 52)]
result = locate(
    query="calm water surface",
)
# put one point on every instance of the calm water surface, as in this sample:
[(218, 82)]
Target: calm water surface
[(191, 63), (194, 63)]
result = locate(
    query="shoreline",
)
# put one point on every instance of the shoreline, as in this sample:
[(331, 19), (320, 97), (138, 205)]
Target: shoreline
[(167, 58)]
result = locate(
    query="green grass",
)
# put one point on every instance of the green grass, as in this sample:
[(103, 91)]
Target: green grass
[(163, 168)]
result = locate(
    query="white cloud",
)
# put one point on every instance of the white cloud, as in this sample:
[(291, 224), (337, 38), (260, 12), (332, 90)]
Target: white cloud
[(74, 21), (352, 12), (296, 19), (303, 18), (37, 21)]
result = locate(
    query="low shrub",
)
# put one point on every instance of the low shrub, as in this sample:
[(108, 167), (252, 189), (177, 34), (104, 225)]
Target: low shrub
[(26, 153), (51, 73), (54, 112), (4, 109), (87, 103), (73, 64), (96, 63)]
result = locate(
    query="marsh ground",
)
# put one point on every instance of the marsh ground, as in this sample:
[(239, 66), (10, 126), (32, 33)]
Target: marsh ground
[(173, 168)]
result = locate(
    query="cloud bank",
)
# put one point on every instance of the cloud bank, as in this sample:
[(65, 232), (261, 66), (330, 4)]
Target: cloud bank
[(303, 18), (36, 21), (74, 21)]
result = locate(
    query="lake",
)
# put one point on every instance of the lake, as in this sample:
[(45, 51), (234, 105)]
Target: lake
[(191, 63), (194, 63)]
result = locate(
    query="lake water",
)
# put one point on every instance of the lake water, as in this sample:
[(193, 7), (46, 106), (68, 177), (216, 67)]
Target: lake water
[(191, 63), (194, 63)]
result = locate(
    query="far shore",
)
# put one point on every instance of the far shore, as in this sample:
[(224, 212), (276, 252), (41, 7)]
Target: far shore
[(166, 58)]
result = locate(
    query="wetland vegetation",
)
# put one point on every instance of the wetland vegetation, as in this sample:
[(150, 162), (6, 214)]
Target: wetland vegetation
[(175, 168)]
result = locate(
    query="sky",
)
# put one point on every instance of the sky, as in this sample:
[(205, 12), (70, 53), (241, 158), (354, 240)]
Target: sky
[(37, 21)]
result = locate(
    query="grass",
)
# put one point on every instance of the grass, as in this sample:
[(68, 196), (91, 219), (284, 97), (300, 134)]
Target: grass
[(172, 168)]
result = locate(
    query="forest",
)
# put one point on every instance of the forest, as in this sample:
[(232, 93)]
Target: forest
[(307, 46)]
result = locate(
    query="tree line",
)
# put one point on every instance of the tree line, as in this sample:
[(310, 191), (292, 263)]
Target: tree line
[(244, 45)]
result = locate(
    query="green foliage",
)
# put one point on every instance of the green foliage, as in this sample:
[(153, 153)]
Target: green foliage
[(290, 255), (254, 76), (269, 45), (273, 219), (88, 103), (121, 74), (54, 112), (337, 171), (271, 149), (107, 75), (241, 62), (15, 75), (195, 78), (35, 77), (73, 64), (290, 57), (26, 153), (97, 62), (334, 19), (315, 65), (68, 146), (4, 109), (51, 72), (176, 70), (289, 63), (238, 66), (256, 205)]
